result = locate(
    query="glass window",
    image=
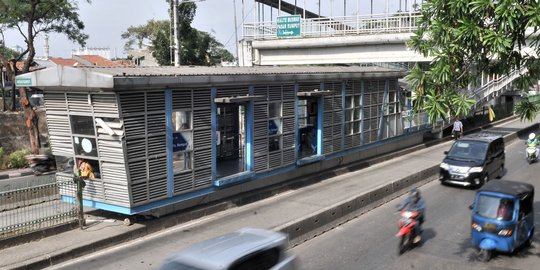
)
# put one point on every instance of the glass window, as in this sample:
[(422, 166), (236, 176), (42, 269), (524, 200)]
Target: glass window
[(83, 125), (496, 208), (88, 168), (64, 164), (274, 143), (182, 161), (182, 141), (85, 146), (274, 110), (181, 120)]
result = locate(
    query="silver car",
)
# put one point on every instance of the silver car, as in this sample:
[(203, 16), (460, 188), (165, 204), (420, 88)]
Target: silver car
[(247, 248)]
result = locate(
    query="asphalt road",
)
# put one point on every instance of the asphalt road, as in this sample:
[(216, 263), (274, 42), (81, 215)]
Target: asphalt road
[(369, 241), (26, 181)]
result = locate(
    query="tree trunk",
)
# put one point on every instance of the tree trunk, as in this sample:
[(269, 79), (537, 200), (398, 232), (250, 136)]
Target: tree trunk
[(31, 121), (3, 92)]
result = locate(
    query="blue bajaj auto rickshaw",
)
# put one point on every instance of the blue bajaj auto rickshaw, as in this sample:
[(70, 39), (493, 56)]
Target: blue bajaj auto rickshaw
[(502, 217)]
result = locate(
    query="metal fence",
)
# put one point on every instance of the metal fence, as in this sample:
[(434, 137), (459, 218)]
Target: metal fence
[(36, 207), (403, 22)]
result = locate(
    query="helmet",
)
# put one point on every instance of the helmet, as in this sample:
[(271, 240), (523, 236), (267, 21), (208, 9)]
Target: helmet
[(532, 136), (415, 195)]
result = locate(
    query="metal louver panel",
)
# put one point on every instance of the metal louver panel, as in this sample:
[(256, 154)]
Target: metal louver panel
[(288, 125), (260, 163), (275, 159), (79, 103), (203, 139), (157, 186), (93, 189), (132, 103), (181, 99), (201, 158), (288, 92), (111, 151), (260, 128), (289, 156), (183, 182), (157, 145), (288, 140), (59, 134), (138, 172), (231, 92), (135, 126), (202, 118), (155, 101), (274, 92), (260, 146), (203, 178), (139, 193), (288, 109), (104, 105), (156, 123), (202, 98), (260, 111), (327, 147), (136, 149), (55, 103)]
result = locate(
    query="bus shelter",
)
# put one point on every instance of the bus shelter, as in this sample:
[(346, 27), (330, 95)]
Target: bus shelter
[(174, 137)]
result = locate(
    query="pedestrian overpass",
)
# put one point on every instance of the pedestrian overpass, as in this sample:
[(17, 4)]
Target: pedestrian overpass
[(372, 39)]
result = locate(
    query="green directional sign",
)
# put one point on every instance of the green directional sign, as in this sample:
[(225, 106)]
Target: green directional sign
[(288, 26), (23, 82)]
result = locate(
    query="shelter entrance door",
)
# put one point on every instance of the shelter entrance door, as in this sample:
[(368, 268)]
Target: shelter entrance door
[(230, 139)]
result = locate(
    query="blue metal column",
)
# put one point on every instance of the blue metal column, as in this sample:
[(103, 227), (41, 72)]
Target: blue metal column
[(213, 93), (250, 108), (168, 115)]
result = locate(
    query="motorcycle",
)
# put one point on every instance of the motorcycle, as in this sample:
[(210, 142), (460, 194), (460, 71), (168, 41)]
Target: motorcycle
[(407, 224), (531, 153), (41, 163)]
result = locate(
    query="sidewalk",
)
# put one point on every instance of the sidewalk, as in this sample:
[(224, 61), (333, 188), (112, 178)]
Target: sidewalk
[(303, 213)]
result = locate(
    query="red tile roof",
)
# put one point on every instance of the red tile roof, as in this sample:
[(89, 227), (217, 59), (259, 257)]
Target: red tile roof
[(65, 62), (97, 60)]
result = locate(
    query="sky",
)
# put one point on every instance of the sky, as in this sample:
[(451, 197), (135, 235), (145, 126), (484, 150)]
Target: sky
[(106, 20)]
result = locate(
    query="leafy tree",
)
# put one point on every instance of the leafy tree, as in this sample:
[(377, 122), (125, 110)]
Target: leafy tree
[(466, 38), (32, 18), (197, 47)]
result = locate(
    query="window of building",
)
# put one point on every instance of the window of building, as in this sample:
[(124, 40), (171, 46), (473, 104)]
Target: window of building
[(274, 126), (182, 140), (82, 125), (85, 163)]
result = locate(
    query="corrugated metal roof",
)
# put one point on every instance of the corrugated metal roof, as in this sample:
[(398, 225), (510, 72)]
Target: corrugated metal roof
[(209, 71)]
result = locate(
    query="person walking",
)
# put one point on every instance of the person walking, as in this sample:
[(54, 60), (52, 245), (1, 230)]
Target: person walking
[(457, 130)]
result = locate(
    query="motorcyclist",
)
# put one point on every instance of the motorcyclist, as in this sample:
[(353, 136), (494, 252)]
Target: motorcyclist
[(415, 203), (533, 142)]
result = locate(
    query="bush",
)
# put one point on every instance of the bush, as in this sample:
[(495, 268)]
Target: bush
[(17, 159)]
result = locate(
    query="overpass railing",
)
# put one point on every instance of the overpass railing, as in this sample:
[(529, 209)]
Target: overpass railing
[(403, 22)]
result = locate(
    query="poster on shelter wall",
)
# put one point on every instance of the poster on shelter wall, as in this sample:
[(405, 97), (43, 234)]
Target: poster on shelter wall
[(180, 142)]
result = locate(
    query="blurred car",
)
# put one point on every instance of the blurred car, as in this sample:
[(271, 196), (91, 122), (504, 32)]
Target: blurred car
[(245, 249)]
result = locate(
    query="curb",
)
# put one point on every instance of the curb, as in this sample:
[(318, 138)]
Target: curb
[(299, 230), (13, 175)]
